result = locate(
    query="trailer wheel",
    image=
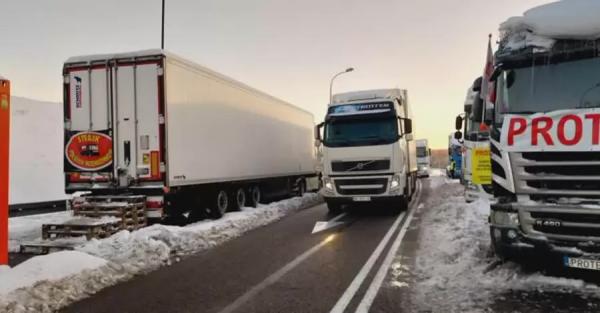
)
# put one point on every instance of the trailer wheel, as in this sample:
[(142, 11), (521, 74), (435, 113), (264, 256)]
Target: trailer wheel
[(239, 199), (400, 205), (254, 196), (220, 204), (334, 208), (301, 189)]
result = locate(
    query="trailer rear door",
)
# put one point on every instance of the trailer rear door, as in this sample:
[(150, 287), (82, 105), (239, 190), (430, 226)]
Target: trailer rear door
[(113, 122)]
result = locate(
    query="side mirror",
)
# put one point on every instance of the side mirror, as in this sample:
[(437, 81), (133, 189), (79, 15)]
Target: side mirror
[(458, 135), (468, 108), (478, 109), (489, 117), (317, 134), (429, 152), (477, 84), (408, 129), (458, 123)]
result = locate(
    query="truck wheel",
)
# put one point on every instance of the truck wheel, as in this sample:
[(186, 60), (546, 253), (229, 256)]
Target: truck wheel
[(400, 205), (334, 208), (301, 189), (254, 196), (238, 199), (220, 204)]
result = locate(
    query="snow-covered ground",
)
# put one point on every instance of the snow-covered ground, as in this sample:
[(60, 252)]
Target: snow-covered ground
[(106, 262), (451, 270), (36, 151), (29, 228)]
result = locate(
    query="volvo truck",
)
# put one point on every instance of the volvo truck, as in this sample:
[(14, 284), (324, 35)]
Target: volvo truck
[(369, 154), (191, 140), (423, 158), (476, 164), (545, 138)]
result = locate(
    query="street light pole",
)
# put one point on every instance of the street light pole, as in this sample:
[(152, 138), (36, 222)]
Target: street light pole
[(348, 70), (162, 27)]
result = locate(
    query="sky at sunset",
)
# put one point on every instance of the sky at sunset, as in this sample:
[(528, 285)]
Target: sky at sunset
[(289, 49)]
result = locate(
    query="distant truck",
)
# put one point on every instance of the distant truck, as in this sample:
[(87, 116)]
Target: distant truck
[(423, 158), (544, 136), (369, 154), (454, 168), (475, 140), (189, 139)]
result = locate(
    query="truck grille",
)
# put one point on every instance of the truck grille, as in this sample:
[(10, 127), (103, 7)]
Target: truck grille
[(360, 166), (557, 174), (362, 186), (566, 223)]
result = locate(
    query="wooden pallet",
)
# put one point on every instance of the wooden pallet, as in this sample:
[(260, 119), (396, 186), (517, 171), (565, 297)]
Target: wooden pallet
[(82, 226), (44, 247), (131, 210)]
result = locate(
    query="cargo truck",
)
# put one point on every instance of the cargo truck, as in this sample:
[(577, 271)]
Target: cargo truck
[(369, 154), (191, 140), (423, 158), (545, 130), (454, 168), (475, 138)]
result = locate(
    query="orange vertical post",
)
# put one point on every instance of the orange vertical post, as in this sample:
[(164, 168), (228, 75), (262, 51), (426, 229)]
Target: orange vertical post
[(4, 165)]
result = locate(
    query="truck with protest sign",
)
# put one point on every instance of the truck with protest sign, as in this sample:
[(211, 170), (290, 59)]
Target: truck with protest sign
[(545, 136)]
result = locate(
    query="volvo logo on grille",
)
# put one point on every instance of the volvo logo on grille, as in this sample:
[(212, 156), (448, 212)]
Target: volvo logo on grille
[(360, 166), (548, 223)]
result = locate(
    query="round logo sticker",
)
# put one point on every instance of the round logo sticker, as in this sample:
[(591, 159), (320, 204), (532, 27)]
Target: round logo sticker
[(89, 151)]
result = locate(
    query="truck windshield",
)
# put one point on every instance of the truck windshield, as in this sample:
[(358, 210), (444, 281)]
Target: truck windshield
[(421, 152), (569, 85), (361, 132)]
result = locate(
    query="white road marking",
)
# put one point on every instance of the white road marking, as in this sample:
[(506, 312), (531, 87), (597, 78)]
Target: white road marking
[(371, 293), (350, 292), (321, 226), (273, 278), (347, 296)]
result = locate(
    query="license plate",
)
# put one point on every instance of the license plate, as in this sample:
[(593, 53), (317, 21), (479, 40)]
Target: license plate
[(586, 264), (361, 199)]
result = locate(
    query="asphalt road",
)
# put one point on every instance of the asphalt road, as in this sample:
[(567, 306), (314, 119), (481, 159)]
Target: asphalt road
[(278, 268), (282, 267)]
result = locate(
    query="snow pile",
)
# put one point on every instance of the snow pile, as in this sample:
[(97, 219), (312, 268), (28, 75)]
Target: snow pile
[(53, 266), (540, 26), (452, 268), (29, 228), (132, 253), (36, 151)]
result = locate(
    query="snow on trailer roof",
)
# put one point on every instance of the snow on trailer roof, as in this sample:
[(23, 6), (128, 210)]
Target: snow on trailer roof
[(157, 52), (541, 26)]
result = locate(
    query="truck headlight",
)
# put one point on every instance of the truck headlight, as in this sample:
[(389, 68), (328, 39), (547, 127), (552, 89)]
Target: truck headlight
[(395, 182), (505, 218), (327, 183)]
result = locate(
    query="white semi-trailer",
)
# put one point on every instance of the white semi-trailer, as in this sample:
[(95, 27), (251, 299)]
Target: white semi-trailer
[(190, 139), (423, 158), (369, 154)]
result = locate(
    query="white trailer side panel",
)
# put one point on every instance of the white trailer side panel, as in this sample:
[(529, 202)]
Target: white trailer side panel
[(220, 130)]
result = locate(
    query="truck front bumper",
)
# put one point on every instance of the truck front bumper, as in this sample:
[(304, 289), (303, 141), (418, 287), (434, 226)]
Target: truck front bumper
[(513, 236), (358, 200)]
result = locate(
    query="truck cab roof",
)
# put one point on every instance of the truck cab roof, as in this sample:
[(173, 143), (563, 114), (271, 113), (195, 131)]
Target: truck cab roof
[(366, 96)]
